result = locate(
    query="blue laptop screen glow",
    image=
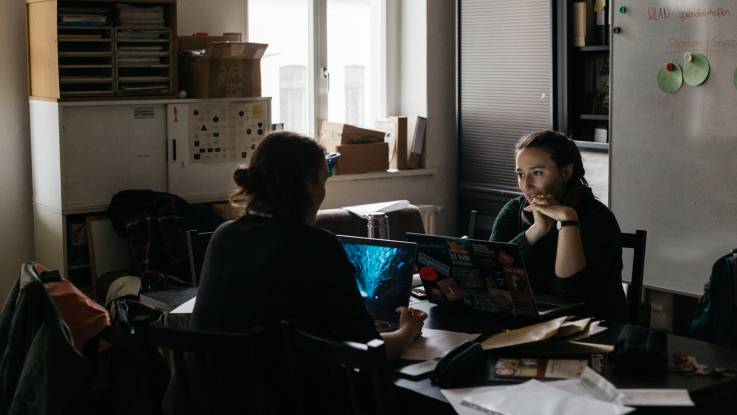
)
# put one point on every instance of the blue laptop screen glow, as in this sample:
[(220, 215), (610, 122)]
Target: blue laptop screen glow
[(383, 276)]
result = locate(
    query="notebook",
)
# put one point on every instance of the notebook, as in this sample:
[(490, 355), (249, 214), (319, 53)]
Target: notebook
[(384, 271), (487, 276)]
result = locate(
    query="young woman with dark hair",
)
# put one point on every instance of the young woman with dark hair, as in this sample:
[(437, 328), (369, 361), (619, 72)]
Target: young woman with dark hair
[(272, 264), (570, 240)]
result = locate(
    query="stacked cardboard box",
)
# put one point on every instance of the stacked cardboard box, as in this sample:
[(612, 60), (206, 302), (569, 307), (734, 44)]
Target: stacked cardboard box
[(220, 66), (361, 150)]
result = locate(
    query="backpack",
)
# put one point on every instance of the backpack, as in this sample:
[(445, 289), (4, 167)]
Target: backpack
[(715, 319)]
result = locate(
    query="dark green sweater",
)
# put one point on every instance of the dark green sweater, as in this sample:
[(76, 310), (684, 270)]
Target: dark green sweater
[(599, 284)]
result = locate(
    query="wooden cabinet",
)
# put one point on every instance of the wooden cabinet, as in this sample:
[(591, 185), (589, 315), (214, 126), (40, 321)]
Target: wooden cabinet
[(84, 152), (102, 48), (582, 72)]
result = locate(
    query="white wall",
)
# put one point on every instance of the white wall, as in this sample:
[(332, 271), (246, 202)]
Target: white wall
[(442, 133), (16, 223), (413, 64), (597, 173), (213, 17)]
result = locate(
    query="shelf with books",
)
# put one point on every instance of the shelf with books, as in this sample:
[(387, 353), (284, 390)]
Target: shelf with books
[(582, 64), (144, 53), (593, 49), (73, 43), (594, 117)]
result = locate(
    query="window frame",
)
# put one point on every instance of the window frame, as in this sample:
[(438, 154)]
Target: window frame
[(318, 79)]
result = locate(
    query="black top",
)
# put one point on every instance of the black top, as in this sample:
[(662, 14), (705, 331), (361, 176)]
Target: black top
[(258, 271), (599, 284)]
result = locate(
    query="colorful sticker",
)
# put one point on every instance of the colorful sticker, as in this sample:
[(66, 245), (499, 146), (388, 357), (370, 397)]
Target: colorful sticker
[(450, 289), (428, 274), (428, 261)]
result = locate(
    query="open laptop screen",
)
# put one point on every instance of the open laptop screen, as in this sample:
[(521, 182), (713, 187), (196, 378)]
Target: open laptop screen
[(486, 275), (383, 272)]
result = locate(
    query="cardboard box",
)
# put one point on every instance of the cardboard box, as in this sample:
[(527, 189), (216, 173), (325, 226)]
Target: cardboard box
[(362, 158), (333, 134), (187, 43), (224, 70)]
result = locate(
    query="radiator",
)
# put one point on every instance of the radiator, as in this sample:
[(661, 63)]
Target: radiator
[(430, 217)]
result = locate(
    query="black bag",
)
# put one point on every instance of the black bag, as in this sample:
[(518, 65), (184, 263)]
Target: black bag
[(641, 352), (715, 319), (454, 368)]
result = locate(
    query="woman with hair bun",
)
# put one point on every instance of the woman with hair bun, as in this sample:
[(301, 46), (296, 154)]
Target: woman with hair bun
[(569, 240), (272, 263)]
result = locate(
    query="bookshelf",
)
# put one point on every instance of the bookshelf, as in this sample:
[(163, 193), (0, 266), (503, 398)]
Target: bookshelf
[(102, 49), (582, 59)]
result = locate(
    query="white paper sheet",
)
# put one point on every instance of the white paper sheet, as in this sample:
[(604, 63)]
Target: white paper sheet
[(386, 207), (455, 397), (435, 343), (657, 397), (185, 308), (547, 400)]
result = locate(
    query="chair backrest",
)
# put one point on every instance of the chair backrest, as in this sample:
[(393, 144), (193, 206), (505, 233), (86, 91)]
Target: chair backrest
[(479, 225), (196, 247), (636, 241), (354, 376), (213, 372)]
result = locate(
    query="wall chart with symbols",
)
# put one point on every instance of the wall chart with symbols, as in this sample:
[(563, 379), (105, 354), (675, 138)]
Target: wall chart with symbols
[(225, 131), (209, 139)]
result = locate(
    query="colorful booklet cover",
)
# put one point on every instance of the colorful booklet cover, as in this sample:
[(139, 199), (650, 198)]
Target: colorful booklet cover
[(538, 368)]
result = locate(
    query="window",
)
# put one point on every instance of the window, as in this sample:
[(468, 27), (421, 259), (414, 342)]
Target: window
[(325, 60)]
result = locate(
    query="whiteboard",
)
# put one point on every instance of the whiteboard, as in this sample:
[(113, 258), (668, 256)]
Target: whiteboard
[(674, 156)]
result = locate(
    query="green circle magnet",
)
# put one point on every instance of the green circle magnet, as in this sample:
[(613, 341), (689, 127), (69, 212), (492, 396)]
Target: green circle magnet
[(670, 78), (695, 69)]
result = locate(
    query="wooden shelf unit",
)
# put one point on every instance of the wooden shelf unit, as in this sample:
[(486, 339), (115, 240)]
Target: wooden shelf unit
[(83, 60)]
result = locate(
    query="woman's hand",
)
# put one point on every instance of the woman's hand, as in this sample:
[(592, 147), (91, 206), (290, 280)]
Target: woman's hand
[(569, 258), (550, 208), (545, 212), (411, 321)]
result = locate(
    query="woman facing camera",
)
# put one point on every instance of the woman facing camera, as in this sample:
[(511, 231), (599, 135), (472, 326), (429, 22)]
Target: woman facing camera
[(273, 264), (569, 240)]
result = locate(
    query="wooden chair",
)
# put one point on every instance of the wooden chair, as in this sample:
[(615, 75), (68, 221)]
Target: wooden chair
[(196, 246), (477, 231), (213, 372), (636, 241), (354, 376)]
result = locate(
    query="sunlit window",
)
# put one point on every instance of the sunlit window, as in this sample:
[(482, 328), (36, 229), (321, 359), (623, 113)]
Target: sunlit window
[(283, 25), (352, 72)]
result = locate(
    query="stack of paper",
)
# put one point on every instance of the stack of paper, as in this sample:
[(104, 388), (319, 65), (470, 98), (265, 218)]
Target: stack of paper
[(144, 17), (589, 394), (83, 16), (548, 400)]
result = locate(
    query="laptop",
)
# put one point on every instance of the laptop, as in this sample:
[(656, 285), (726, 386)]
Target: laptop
[(383, 274), (487, 276)]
